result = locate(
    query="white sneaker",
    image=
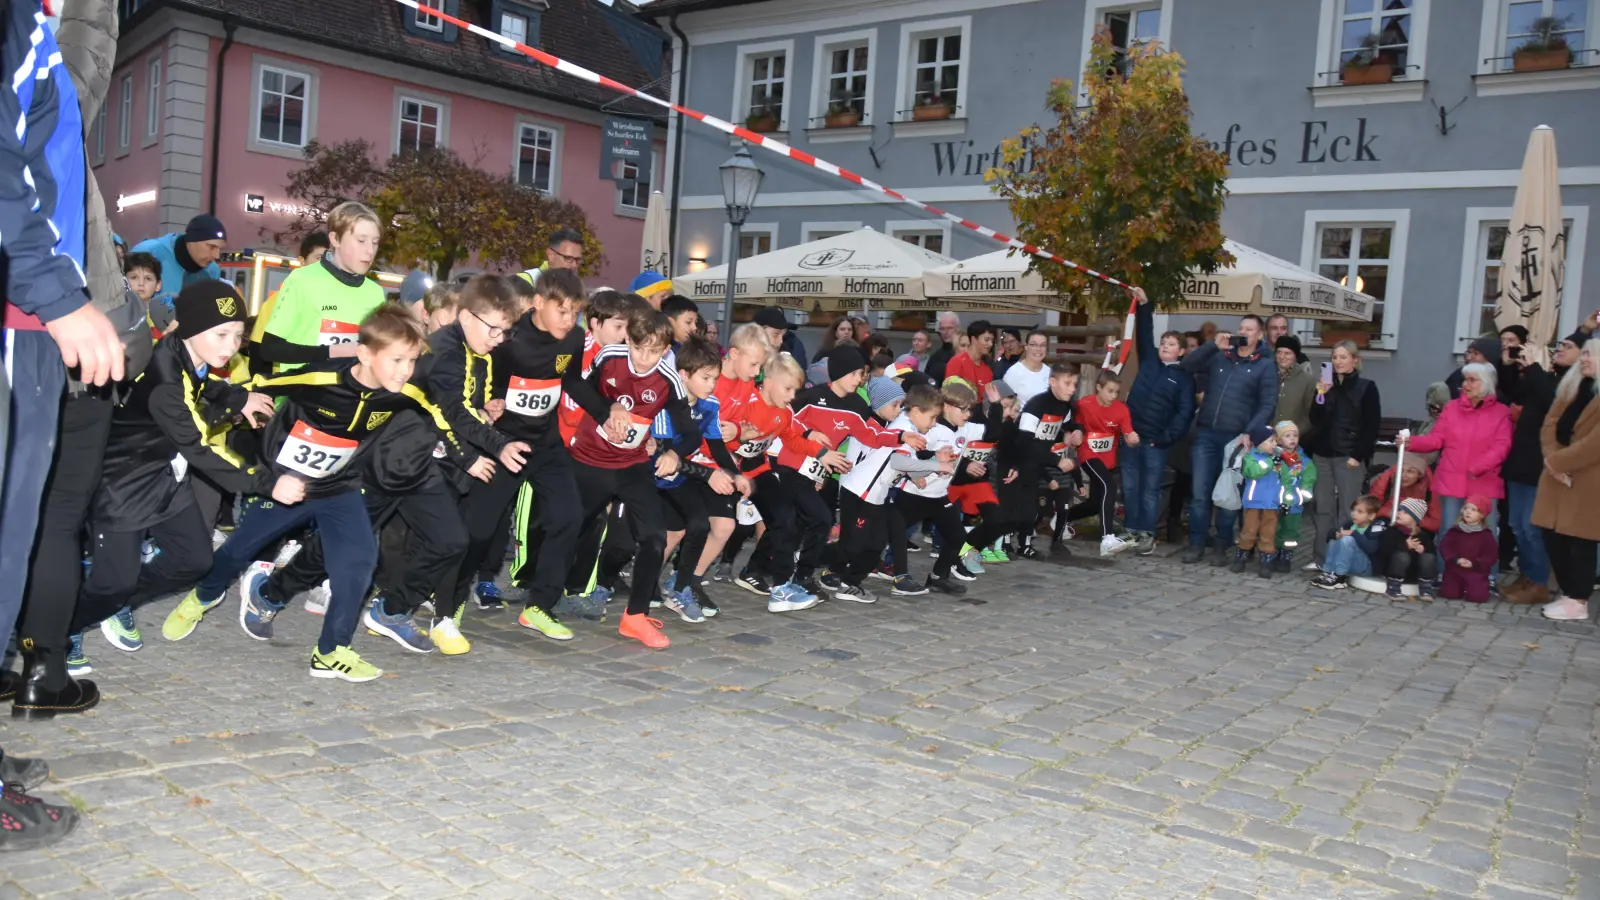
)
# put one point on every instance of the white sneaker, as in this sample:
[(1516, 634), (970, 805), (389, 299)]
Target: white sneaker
[(1311, 567), (1111, 545), (290, 548), (318, 597), (1566, 609)]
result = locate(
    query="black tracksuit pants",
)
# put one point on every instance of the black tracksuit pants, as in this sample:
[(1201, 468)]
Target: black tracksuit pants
[(634, 488), (549, 470), (946, 520), (119, 578)]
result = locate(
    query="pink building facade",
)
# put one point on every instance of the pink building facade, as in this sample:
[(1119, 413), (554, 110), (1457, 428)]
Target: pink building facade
[(212, 114)]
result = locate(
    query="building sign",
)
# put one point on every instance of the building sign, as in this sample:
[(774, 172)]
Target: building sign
[(139, 199), (258, 204), (255, 203), (626, 141)]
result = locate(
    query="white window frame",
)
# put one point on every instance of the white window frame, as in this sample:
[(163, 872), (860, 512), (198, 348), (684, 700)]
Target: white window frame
[(1094, 13), (427, 21), (770, 229), (101, 121), (154, 106), (1473, 238), (905, 87), (556, 136), (895, 228), (1492, 80), (1407, 87), (628, 210), (821, 78), (308, 108), (816, 231), (1399, 221), (401, 97), (125, 116), (501, 25), (745, 54)]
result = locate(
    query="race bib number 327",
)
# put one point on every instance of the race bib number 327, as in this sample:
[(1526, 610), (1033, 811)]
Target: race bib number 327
[(313, 453)]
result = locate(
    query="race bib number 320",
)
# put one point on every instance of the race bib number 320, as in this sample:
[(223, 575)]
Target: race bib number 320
[(532, 397), (1100, 442), (333, 332), (313, 453)]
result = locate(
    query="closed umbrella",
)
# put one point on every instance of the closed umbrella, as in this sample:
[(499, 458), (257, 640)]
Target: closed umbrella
[(1534, 265), (654, 254)]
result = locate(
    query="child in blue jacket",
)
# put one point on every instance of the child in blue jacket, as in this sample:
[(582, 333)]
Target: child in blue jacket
[(1262, 494), (1353, 547)]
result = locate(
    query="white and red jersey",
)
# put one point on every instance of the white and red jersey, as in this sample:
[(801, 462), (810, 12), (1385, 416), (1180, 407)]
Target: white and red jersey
[(642, 394), (570, 416), (773, 423), (834, 417)]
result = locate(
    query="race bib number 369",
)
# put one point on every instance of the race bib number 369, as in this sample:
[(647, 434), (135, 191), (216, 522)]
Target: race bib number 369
[(333, 332), (532, 397), (313, 453)]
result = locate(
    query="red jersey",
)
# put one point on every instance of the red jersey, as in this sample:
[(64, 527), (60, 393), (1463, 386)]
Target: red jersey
[(570, 415), (1102, 425), (643, 394), (836, 418), (977, 374), (733, 400), (773, 423)]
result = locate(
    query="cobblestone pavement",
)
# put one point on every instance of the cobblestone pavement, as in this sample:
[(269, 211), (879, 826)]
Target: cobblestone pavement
[(1068, 731)]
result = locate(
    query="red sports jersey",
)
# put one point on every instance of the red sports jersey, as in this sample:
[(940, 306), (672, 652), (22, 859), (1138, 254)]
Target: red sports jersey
[(977, 374), (1102, 425), (773, 423), (733, 400), (642, 394), (835, 418), (569, 416)]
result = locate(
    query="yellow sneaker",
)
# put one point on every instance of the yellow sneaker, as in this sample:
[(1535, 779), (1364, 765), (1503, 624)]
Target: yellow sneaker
[(535, 619), (447, 637), (182, 621)]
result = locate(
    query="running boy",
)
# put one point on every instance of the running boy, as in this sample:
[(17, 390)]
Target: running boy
[(1104, 418), (320, 307), (1046, 429)]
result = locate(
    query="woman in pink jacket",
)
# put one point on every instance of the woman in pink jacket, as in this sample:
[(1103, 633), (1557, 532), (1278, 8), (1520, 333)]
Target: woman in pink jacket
[(1473, 435)]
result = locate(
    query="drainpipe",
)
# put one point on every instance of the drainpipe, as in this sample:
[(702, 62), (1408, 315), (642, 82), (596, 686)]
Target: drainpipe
[(677, 144), (228, 28)]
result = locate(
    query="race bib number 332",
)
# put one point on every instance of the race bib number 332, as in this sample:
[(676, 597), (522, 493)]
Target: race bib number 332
[(313, 453)]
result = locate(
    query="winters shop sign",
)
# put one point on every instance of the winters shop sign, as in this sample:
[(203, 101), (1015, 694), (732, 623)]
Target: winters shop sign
[(1318, 143)]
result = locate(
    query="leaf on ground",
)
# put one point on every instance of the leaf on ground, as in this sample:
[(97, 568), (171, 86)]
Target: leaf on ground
[(1324, 670), (728, 688), (196, 802), (220, 734), (923, 705), (181, 740), (646, 733), (931, 748), (1530, 646)]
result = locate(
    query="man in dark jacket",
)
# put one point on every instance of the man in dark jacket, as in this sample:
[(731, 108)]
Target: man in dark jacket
[(1162, 406), (949, 328), (1241, 392)]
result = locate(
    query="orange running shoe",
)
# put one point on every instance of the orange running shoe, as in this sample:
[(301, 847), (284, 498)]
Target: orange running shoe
[(645, 630)]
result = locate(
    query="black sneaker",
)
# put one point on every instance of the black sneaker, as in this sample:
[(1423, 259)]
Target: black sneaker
[(1146, 543), (1027, 552), (811, 585), (913, 547), (829, 581), (1196, 553), (906, 586), (962, 573), (944, 584), (855, 592), (754, 582), (32, 824), (707, 605), (1329, 582)]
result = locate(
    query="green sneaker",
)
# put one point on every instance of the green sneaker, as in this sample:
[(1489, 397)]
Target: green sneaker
[(537, 619), (995, 556), (343, 664), (182, 621)]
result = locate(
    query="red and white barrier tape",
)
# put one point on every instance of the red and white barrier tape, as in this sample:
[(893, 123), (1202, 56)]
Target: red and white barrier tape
[(782, 149)]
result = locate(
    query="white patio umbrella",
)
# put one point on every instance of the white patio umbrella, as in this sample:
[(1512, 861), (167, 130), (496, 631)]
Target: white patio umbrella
[(857, 270), (654, 254), (1533, 269), (1257, 283)]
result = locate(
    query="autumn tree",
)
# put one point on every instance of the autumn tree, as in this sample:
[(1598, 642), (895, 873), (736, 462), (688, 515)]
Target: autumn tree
[(1119, 184), (442, 209)]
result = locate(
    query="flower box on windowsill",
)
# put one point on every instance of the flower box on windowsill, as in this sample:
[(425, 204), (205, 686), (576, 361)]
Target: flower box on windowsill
[(1540, 60), (1361, 338), (909, 322), (762, 124), (1380, 72), (847, 119), (743, 313), (932, 112)]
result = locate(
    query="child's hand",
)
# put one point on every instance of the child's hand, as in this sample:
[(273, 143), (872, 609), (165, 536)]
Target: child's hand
[(1464, 563), (1414, 545), (947, 455), (834, 461), (977, 469), (1054, 486), (1343, 532), (1066, 465), (1083, 492), (913, 440), (1010, 477), (494, 409), (1131, 438), (482, 469), (721, 482), (667, 464)]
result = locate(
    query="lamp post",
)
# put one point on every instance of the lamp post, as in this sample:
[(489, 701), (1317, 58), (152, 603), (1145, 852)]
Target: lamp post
[(741, 181)]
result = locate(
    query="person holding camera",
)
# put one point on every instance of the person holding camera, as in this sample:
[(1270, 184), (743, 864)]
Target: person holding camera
[(1241, 393), (1345, 418)]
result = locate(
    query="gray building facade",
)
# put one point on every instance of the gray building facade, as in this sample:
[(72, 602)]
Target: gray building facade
[(1404, 186)]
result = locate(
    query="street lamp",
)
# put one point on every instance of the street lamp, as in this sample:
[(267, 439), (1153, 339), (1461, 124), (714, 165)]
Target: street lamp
[(741, 181)]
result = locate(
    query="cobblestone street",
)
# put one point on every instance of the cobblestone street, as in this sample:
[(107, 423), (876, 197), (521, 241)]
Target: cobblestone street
[(1067, 731)]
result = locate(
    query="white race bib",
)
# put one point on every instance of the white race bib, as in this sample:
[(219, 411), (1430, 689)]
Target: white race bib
[(638, 432), (532, 397), (979, 451), (1100, 442), (337, 333), (1049, 428), (753, 449), (812, 468), (313, 453)]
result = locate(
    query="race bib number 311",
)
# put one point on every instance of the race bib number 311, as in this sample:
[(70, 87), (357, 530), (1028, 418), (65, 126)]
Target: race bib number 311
[(313, 453), (1049, 427)]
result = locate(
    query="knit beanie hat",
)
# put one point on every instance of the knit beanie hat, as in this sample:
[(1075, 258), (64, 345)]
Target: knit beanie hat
[(1284, 427), (1290, 342), (1489, 347), (648, 283), (204, 305), (844, 360), (1260, 434), (203, 228), (1415, 507), (1578, 338), (1484, 504), (883, 391)]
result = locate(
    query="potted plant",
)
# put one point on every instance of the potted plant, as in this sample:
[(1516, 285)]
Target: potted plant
[(932, 106), (1332, 336), (842, 112), (762, 119), (1545, 50), (1368, 65)]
